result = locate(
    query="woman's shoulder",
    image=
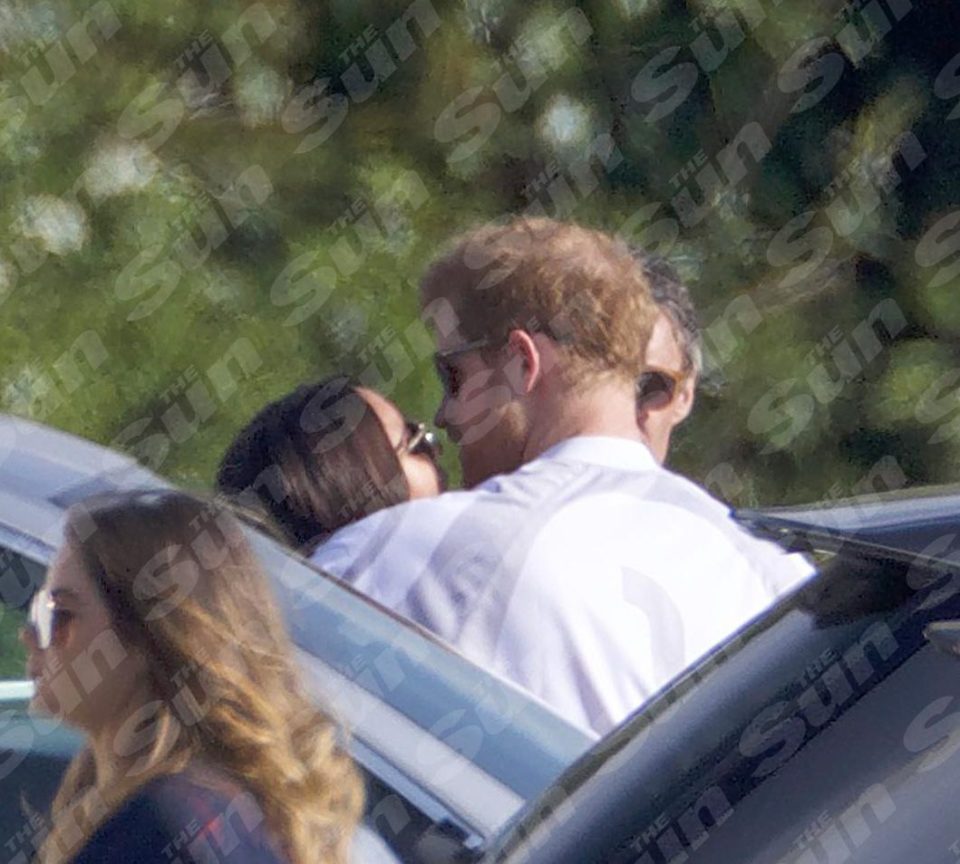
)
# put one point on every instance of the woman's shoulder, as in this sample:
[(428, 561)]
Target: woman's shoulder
[(192, 816)]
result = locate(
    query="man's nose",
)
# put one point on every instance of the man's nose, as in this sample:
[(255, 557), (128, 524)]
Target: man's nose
[(440, 418)]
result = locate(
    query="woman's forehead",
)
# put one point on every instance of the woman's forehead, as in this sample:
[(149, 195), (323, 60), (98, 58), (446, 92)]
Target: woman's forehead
[(67, 572)]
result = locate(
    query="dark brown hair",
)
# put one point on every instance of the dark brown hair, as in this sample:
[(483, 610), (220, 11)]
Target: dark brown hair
[(673, 298), (315, 460)]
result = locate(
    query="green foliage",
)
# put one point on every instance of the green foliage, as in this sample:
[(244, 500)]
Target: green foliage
[(12, 653), (194, 188)]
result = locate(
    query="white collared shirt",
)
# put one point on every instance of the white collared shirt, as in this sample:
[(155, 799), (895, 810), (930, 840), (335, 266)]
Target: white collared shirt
[(590, 577)]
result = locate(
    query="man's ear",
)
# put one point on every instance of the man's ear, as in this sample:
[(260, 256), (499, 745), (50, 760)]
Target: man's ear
[(525, 367), (683, 402)]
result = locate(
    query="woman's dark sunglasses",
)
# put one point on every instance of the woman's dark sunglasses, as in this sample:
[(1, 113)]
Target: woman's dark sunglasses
[(46, 619), (657, 388), (421, 441)]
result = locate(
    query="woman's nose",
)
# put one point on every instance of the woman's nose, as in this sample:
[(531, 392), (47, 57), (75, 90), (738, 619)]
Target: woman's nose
[(28, 638)]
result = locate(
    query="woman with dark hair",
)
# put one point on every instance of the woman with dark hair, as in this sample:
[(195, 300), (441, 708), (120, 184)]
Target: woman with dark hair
[(326, 455), (201, 739)]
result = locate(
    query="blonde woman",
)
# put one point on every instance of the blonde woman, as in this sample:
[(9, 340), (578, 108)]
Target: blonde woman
[(202, 743)]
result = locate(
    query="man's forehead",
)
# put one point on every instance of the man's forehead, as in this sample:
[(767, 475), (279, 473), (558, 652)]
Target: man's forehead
[(664, 348), (448, 339), (443, 320)]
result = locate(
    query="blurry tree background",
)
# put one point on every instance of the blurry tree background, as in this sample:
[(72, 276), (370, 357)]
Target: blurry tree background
[(204, 204)]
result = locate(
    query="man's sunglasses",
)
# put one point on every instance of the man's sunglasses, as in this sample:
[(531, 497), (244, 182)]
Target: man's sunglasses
[(46, 619), (421, 441), (448, 374), (657, 388)]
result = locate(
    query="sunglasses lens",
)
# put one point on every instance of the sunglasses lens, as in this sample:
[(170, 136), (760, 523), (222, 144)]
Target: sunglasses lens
[(428, 445), (41, 618), (655, 390), (449, 377), (422, 441)]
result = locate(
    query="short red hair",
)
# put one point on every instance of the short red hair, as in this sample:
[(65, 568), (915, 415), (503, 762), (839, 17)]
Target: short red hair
[(577, 285)]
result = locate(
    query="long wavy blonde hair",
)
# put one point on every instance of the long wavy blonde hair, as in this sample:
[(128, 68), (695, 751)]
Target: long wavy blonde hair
[(183, 586)]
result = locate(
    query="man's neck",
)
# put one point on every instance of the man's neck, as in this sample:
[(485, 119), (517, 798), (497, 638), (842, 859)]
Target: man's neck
[(607, 409)]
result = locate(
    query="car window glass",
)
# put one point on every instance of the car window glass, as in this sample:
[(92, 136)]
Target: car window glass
[(866, 787), (816, 716), (19, 578), (842, 746)]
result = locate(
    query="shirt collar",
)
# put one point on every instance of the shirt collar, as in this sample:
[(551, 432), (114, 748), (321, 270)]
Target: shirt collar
[(622, 453)]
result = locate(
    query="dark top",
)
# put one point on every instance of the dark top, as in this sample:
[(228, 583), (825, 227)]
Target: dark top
[(189, 818)]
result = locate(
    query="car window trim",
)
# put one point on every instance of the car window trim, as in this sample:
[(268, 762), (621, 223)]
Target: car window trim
[(473, 799), (785, 533), (23, 544)]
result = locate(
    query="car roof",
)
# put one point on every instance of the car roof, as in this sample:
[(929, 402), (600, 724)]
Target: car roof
[(43, 471), (923, 520)]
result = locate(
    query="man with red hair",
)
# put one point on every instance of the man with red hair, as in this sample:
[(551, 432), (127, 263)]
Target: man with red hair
[(574, 564)]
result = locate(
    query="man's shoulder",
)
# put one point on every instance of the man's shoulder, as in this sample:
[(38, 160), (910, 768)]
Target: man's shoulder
[(779, 570), (663, 504), (685, 490)]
